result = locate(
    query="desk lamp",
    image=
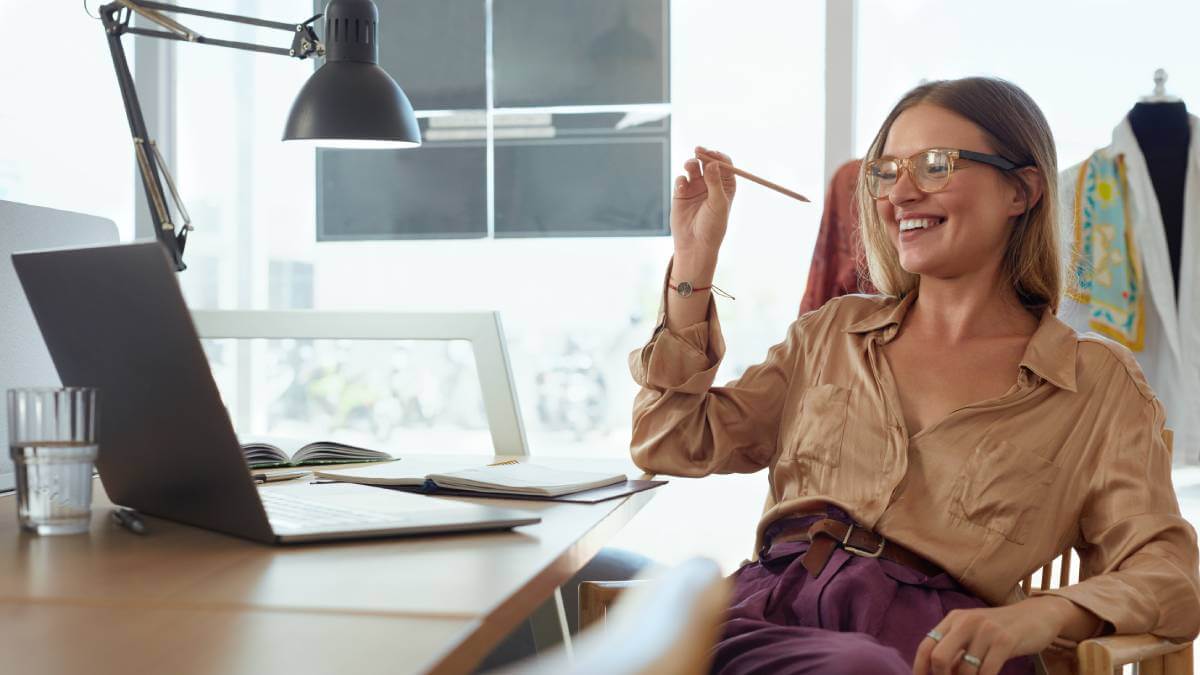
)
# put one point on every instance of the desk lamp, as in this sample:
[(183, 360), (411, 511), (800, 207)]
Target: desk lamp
[(350, 102)]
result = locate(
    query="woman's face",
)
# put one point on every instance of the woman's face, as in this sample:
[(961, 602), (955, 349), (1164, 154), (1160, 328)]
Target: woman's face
[(970, 216)]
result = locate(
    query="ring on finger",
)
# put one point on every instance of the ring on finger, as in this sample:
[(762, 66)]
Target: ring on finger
[(935, 634), (973, 660)]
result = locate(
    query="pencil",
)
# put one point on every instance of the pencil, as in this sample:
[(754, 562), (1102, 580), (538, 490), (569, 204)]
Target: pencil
[(751, 177)]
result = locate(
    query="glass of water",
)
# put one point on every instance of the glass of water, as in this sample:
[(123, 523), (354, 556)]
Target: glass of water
[(52, 438)]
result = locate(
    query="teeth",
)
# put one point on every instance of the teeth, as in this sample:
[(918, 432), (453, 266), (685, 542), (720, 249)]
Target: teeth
[(917, 223)]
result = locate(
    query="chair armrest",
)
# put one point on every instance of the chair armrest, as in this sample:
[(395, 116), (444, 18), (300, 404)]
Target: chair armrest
[(1099, 656), (595, 597)]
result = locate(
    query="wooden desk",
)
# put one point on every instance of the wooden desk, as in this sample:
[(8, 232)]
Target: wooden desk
[(185, 600)]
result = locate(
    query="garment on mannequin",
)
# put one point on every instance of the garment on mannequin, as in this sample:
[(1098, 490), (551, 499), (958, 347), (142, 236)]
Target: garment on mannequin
[(1155, 156), (838, 260)]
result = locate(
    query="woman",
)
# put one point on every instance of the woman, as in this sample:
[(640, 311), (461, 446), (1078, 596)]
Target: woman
[(952, 432)]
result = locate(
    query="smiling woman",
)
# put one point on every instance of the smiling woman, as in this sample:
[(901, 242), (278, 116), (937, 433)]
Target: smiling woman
[(960, 226), (996, 187), (986, 433)]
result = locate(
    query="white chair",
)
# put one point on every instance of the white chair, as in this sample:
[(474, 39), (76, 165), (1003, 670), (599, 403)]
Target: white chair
[(667, 626)]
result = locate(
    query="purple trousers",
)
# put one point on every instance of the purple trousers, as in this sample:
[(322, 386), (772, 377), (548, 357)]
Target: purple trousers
[(861, 615)]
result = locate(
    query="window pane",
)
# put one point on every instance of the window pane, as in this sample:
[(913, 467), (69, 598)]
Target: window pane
[(242, 185), (64, 138), (582, 187), (434, 50), (435, 191), (583, 52)]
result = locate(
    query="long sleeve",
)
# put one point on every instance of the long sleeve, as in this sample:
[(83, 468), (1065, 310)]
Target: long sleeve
[(684, 426), (1138, 554)]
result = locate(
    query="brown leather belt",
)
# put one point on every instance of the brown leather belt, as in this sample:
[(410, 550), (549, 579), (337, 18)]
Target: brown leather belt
[(827, 534)]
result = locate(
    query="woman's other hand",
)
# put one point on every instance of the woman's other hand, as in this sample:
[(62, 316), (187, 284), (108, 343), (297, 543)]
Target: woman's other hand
[(992, 634)]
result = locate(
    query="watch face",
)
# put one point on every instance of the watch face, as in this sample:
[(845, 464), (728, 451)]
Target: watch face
[(684, 288)]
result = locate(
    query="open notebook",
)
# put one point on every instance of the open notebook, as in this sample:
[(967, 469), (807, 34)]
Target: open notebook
[(271, 451), (501, 479)]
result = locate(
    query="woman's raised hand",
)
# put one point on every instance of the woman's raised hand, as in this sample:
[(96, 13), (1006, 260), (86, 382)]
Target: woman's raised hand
[(700, 205)]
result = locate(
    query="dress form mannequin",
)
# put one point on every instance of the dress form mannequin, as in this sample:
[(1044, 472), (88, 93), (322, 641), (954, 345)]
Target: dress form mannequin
[(1160, 123)]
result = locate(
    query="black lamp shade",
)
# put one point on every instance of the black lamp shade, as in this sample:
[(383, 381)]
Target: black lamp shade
[(351, 102)]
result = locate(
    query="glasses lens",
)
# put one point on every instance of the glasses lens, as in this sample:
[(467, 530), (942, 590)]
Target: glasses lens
[(881, 176), (932, 169)]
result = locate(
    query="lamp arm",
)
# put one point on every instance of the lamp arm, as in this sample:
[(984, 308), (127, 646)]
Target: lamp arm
[(115, 17)]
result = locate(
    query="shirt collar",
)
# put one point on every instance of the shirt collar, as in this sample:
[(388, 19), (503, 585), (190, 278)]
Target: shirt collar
[(890, 313), (1050, 353)]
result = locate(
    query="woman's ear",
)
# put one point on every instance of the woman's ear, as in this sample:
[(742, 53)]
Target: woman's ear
[(1024, 200)]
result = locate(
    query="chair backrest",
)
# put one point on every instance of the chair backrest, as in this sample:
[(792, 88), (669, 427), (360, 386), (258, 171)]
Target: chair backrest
[(1067, 574), (666, 627)]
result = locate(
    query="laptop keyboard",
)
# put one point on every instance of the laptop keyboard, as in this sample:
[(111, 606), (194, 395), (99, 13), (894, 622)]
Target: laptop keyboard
[(289, 513)]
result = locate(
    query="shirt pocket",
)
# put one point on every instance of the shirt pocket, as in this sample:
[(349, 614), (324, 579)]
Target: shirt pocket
[(818, 431), (1001, 487)]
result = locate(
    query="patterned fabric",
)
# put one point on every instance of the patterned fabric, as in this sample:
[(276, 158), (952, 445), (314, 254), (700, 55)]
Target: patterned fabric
[(838, 261), (1108, 273)]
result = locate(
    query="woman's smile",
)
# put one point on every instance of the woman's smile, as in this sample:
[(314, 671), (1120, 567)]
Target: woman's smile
[(914, 226)]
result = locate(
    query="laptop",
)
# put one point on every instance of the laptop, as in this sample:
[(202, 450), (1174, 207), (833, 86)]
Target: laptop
[(26, 362), (114, 317)]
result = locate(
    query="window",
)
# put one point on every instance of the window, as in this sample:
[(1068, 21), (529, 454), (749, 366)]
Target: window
[(573, 307), (540, 119), (64, 139)]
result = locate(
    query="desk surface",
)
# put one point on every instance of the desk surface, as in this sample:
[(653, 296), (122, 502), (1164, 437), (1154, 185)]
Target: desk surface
[(184, 600)]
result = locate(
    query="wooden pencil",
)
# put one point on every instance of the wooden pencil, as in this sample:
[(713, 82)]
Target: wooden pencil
[(751, 177)]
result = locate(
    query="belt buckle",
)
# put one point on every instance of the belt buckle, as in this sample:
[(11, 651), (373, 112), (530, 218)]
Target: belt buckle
[(862, 552)]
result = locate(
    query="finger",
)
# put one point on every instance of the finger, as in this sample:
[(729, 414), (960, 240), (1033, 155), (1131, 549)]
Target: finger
[(998, 653), (705, 153), (921, 660), (946, 653), (978, 647), (689, 189), (728, 182), (692, 167), (713, 180), (681, 185)]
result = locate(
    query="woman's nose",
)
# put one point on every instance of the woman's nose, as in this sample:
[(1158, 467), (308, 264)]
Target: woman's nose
[(905, 190)]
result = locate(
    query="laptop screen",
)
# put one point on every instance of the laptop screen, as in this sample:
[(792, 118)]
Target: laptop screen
[(26, 362)]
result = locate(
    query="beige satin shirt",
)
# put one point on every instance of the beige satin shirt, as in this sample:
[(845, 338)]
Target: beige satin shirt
[(1072, 454)]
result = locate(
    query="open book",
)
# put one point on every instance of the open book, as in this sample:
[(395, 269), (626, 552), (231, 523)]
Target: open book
[(265, 451), (501, 479)]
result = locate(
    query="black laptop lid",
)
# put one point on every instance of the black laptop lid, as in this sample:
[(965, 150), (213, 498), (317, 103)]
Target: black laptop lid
[(114, 317)]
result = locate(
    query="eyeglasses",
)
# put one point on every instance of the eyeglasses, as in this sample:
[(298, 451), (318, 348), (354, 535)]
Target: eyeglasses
[(930, 170)]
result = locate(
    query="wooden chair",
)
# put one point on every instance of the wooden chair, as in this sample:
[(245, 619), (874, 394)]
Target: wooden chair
[(1107, 655), (668, 626), (1099, 656)]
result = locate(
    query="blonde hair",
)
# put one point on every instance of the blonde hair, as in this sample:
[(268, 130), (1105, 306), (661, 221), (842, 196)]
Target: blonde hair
[(1018, 131)]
